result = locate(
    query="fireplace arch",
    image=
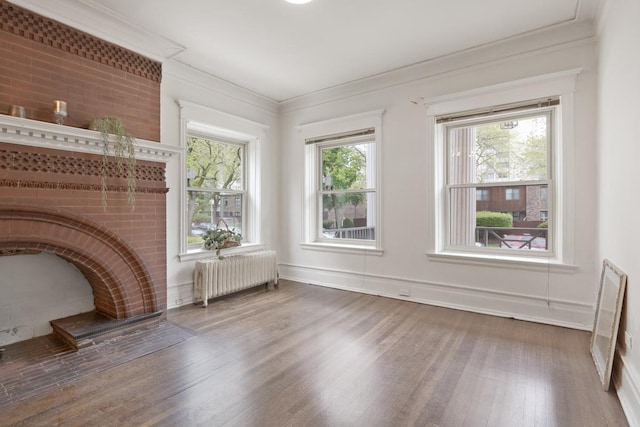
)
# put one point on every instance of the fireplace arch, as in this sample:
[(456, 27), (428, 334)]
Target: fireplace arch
[(121, 283)]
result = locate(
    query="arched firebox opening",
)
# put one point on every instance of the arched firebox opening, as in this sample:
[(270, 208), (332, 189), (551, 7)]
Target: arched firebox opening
[(121, 283)]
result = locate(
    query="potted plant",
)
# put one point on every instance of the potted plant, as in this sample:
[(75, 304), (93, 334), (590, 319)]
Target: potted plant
[(116, 141), (221, 238)]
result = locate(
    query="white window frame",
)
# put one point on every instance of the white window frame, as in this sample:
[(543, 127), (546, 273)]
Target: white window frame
[(219, 125), (224, 209), (560, 84), (511, 187), (312, 221)]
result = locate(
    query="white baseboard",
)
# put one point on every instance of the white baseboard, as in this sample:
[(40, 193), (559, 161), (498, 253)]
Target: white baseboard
[(523, 307), (627, 383), (179, 295)]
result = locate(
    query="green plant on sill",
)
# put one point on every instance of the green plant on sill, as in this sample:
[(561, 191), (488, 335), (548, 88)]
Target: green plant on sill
[(116, 138), (221, 238)]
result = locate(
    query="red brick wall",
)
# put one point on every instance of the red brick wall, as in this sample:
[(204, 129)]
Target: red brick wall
[(43, 61), (50, 200), (122, 253)]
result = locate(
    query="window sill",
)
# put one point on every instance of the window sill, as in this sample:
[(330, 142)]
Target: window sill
[(484, 260), (202, 253), (349, 249)]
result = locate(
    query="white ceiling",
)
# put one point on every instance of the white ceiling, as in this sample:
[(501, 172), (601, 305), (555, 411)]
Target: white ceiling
[(282, 50)]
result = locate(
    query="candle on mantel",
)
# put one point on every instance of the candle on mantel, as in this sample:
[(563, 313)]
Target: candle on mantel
[(59, 108), (59, 111)]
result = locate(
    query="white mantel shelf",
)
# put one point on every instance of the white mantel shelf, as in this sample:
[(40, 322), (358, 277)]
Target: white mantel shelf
[(34, 133)]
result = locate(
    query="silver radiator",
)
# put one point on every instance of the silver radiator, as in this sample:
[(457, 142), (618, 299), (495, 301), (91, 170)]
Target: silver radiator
[(216, 277)]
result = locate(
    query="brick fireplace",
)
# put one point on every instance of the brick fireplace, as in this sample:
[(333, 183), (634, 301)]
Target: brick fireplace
[(50, 201), (50, 193)]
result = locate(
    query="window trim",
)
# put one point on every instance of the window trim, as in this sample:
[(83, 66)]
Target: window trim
[(320, 192), (223, 191), (311, 221), (196, 118), (551, 113), (561, 84)]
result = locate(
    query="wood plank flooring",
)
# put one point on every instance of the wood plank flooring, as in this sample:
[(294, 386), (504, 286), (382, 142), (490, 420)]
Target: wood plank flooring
[(304, 355)]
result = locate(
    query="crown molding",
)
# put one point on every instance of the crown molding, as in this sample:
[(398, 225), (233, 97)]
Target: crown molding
[(208, 82), (533, 43)]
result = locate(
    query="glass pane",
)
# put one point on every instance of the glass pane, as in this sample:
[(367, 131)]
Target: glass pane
[(500, 151), (345, 167), (500, 220), (348, 216), (213, 164), (205, 209)]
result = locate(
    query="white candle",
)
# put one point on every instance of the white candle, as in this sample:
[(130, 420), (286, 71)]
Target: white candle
[(60, 108)]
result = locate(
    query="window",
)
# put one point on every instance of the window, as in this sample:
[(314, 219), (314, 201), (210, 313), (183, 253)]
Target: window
[(215, 173), (342, 192), (543, 193), (482, 194), (519, 215), (513, 193), (220, 160), (347, 191), (455, 234), (544, 215), (511, 160)]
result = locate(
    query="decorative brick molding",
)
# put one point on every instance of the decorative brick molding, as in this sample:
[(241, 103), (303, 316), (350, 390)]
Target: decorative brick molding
[(44, 60), (16, 183), (18, 160), (34, 27), (122, 285)]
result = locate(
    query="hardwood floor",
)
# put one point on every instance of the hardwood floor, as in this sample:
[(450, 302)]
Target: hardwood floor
[(304, 355)]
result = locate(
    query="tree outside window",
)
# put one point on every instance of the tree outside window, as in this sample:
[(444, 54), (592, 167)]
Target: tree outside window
[(498, 167), (347, 191), (215, 174)]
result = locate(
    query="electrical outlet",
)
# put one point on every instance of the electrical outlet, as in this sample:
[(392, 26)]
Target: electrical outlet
[(179, 301), (405, 292), (628, 343)]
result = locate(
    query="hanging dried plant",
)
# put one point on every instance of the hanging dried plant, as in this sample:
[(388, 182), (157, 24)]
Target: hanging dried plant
[(116, 141)]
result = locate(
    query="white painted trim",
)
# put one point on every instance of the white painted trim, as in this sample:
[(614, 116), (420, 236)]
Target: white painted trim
[(627, 384), (550, 84), (504, 52), (523, 307), (340, 124), (198, 254), (207, 115), (228, 124), (346, 249), (222, 88), (561, 84), (34, 133), (179, 295), (508, 262), (311, 210)]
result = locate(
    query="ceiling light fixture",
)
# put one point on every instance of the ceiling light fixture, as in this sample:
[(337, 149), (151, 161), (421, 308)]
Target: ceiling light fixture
[(299, 1)]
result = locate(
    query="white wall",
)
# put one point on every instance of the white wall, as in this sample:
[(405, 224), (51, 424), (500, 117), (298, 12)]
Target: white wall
[(35, 289), (183, 83), (619, 204), (510, 290)]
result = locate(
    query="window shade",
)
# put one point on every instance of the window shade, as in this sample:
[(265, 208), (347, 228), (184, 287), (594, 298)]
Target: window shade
[(506, 108), (339, 136)]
